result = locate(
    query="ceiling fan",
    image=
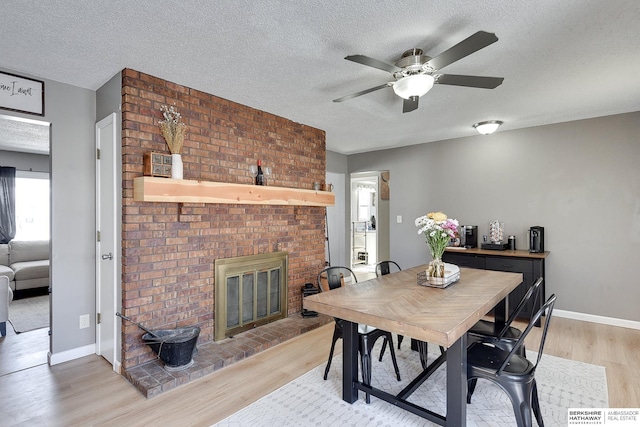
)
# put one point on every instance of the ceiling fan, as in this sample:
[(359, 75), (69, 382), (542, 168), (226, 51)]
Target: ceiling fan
[(415, 73)]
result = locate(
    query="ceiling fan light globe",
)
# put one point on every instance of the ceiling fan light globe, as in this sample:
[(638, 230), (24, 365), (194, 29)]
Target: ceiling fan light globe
[(487, 128), (416, 85)]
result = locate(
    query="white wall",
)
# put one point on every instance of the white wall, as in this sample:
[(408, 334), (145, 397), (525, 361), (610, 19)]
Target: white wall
[(580, 180)]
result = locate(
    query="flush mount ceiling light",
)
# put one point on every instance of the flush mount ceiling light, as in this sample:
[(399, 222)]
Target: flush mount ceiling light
[(488, 127), (415, 85)]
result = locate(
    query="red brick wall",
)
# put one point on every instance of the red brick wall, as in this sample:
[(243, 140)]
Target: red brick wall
[(169, 249)]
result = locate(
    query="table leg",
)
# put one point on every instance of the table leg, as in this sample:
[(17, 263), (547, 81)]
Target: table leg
[(457, 383), (423, 350), (500, 315), (350, 361)]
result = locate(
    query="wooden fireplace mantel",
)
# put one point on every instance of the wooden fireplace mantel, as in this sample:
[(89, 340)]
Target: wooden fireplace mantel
[(153, 189)]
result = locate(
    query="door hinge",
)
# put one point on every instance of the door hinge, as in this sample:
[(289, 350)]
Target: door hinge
[(97, 318), (97, 236), (98, 153)]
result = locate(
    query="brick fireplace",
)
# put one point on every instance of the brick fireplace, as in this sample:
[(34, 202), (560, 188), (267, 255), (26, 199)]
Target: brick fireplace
[(169, 250)]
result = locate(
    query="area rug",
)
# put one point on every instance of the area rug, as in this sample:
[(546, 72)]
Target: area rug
[(27, 314), (311, 401)]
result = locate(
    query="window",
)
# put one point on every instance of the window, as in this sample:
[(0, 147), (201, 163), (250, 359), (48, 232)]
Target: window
[(366, 202), (32, 206)]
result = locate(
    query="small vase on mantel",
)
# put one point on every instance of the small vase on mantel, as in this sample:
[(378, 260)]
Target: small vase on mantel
[(176, 166)]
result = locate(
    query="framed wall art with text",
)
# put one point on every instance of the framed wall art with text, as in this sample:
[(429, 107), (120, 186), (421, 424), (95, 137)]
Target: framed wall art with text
[(21, 94)]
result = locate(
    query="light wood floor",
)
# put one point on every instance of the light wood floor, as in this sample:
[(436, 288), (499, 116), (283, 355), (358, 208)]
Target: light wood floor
[(87, 392), (23, 351)]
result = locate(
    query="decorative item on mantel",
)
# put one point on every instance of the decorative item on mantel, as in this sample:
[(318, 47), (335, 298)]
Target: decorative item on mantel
[(260, 175), (438, 230), (157, 164), (173, 131)]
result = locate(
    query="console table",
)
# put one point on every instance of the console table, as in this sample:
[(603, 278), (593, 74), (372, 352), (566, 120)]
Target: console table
[(531, 265)]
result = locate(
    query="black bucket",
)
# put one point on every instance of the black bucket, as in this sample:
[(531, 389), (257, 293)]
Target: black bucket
[(175, 347)]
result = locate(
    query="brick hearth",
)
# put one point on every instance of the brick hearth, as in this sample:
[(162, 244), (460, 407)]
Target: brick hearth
[(151, 378)]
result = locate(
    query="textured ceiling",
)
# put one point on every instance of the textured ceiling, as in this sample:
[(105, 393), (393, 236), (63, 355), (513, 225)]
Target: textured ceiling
[(26, 136), (561, 60)]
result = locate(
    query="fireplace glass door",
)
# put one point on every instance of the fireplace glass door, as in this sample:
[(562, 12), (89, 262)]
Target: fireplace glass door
[(252, 297), (250, 291)]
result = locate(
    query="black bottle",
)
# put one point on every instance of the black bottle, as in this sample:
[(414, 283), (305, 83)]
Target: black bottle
[(260, 175)]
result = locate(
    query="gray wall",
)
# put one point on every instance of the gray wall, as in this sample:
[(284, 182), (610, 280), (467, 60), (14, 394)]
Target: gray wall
[(25, 161), (71, 111), (338, 163), (384, 233), (580, 180)]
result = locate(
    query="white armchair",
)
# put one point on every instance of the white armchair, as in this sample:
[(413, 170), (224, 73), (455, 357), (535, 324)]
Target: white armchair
[(6, 296)]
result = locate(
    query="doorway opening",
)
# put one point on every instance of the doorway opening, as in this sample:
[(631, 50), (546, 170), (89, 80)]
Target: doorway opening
[(369, 221), (25, 146)]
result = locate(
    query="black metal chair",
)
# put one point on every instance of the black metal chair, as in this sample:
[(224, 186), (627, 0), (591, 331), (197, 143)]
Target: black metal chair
[(511, 371), (505, 338), (332, 278), (386, 267), (382, 268)]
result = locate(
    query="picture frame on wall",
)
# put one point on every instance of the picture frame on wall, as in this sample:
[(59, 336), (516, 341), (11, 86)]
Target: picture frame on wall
[(21, 94)]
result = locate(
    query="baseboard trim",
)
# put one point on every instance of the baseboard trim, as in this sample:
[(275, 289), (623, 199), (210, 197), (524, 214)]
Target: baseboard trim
[(75, 353), (612, 321)]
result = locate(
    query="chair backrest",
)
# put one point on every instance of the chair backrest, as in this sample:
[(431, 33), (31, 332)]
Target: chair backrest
[(385, 267), (530, 295), (334, 277), (548, 308)]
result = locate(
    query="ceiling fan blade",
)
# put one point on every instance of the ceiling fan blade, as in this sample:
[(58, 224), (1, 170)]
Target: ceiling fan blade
[(362, 92), (372, 62), (410, 104), (469, 81), (466, 47)]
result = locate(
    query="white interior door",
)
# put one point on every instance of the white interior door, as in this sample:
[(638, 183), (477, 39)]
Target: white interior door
[(106, 256)]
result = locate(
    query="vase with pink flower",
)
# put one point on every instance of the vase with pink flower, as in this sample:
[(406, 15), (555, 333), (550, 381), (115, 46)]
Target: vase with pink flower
[(438, 231)]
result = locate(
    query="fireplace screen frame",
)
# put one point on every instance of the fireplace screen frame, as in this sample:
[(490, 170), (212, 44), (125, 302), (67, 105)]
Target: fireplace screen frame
[(241, 268)]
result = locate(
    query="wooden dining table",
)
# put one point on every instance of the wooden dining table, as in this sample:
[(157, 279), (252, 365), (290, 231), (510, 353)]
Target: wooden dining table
[(398, 304)]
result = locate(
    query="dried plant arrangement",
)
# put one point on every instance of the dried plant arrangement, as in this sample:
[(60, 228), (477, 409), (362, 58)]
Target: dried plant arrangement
[(172, 128)]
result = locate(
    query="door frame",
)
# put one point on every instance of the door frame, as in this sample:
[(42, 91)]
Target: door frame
[(110, 120)]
